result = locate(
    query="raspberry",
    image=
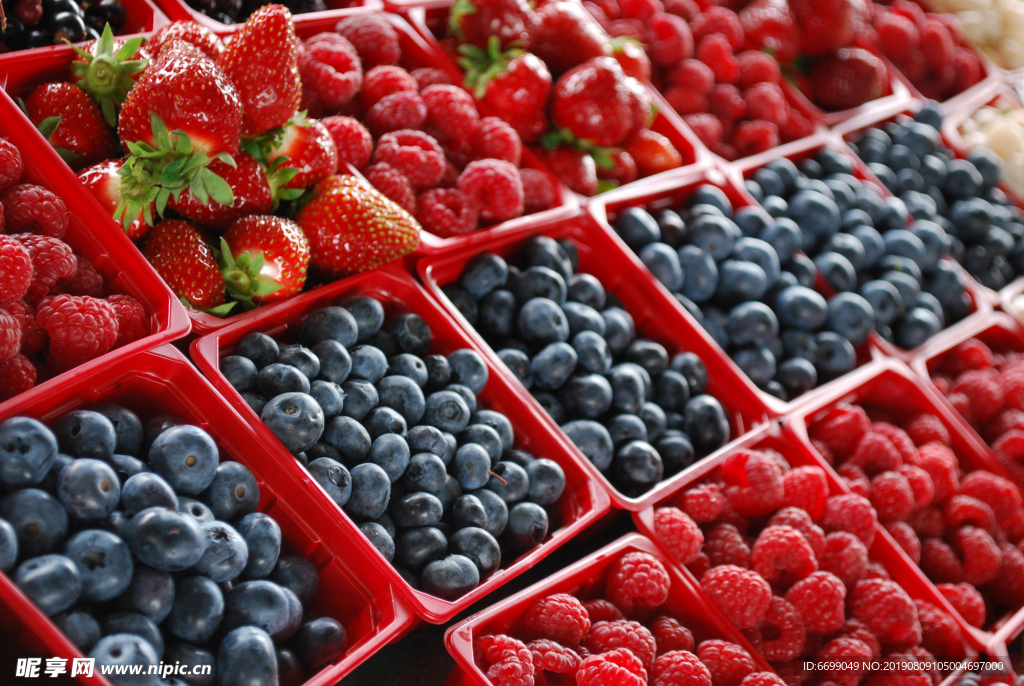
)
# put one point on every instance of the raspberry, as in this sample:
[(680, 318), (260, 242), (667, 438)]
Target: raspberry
[(906, 538), (725, 546), (782, 556), (851, 513), (679, 533), (680, 668), (415, 154), (1008, 585), (819, 599), (966, 600), (706, 127), (640, 9), (132, 322), (920, 484), (16, 267), (451, 112), (728, 663), (926, 663), (497, 140), (849, 650), (799, 519), (742, 596), (753, 137), (33, 338), (670, 635), (10, 335), (496, 186), (80, 328), (703, 503), (845, 556), (940, 563), (637, 580), (891, 496), (1009, 447), (962, 509), (726, 102), (782, 635), (841, 429), (936, 44), (374, 38), (17, 375), (995, 491), (447, 212), (601, 610), (797, 126), (560, 617), (925, 428), (354, 142), (510, 661), (731, 516), (539, 192), (754, 483), (766, 101), (806, 488), (980, 554), (685, 101), (393, 184), (687, 9), (1008, 420), (897, 36), (383, 81), (941, 465), (554, 658), (431, 76), (721, 21), (626, 28), (859, 631), (757, 67), (667, 40), (11, 164), (899, 439), (856, 479), (972, 354), (1012, 525), (615, 668), (876, 453), (33, 209), (715, 51), (962, 404), (606, 636), (692, 75), (403, 110), (700, 566), (1012, 383), (86, 281), (886, 609), (981, 386), (330, 68), (940, 634)]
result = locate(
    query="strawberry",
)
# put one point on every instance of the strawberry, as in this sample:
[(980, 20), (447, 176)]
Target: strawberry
[(566, 37), (631, 57), (827, 25), (190, 32), (262, 61), (575, 168), (512, 22), (72, 123), (652, 152), (769, 25), (594, 102), (264, 259), (306, 146), (104, 181), (107, 69), (182, 257), (621, 171), (850, 78), (352, 227), (515, 84), (250, 191)]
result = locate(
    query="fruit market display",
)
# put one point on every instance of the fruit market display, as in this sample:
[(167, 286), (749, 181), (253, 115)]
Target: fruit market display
[(995, 28), (35, 24), (999, 126)]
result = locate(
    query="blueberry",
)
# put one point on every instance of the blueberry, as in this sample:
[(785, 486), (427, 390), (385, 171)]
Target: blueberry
[(586, 395), (335, 362), (49, 480), (932, 304), (797, 375), (88, 489), (585, 289), (127, 427), (234, 492), (673, 228), (84, 433), (447, 411), (663, 263), (384, 420), (195, 509), (542, 321), (371, 490), (835, 355), (350, 438), (258, 347), (908, 287), (468, 511), (783, 236), (962, 180), (333, 478), (848, 246), (804, 269), (416, 509), (851, 316), (411, 333), (147, 490), (775, 206), (627, 388), (246, 657), (51, 582), (799, 307), (239, 371), (255, 401), (438, 372), (387, 343), (496, 510), (770, 181), (637, 228), (553, 365), (259, 603), (135, 624), (758, 364), (278, 378), (196, 660), (593, 440), (104, 564), (654, 419), (815, 213), (509, 481), (416, 547), (706, 194), (368, 313), (484, 273), (360, 398), (884, 299), (297, 575), (425, 472), (752, 323), (916, 327), (126, 651), (715, 235), (8, 546), (301, 358), (740, 281), (329, 398), (551, 405), (626, 427), (80, 627), (541, 251), (484, 436), (649, 355), (368, 363), (379, 539), (497, 315), (186, 457), (39, 520), (333, 322), (988, 164), (480, 547), (676, 452), (150, 593), (539, 282), (527, 526), (468, 396), (319, 643), (706, 423)]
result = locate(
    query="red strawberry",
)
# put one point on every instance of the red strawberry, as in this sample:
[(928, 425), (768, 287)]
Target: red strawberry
[(769, 25), (850, 78), (107, 69), (512, 22), (567, 37), (575, 169), (190, 32), (622, 169), (632, 58), (652, 152), (104, 181), (262, 61), (827, 25), (264, 259), (514, 84), (250, 193), (72, 123), (594, 102), (180, 254), (308, 147), (353, 228)]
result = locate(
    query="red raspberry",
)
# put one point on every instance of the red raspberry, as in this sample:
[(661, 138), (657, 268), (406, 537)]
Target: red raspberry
[(1009, 447), (940, 563), (679, 533), (721, 21), (966, 600), (754, 483), (725, 546), (670, 635), (962, 509), (330, 67), (886, 609), (685, 101), (875, 453), (549, 656), (981, 386), (33, 338), (687, 9), (132, 322), (510, 661), (1012, 383), (560, 617), (393, 184), (703, 503), (1009, 419), (1008, 586), (728, 663), (899, 439), (626, 28), (856, 479), (383, 81), (373, 36), (841, 428), (496, 186), (819, 599), (806, 488), (16, 267), (910, 10), (858, 630), (574, 168), (17, 375), (451, 113), (539, 191), (891, 496), (980, 554), (757, 67), (601, 610), (431, 76), (796, 127), (742, 596), (824, 451), (637, 638), (679, 668), (354, 142), (700, 566), (86, 281), (640, 9), (727, 103), (972, 354), (667, 40), (851, 513), (782, 635), (752, 137), (1012, 525), (447, 212), (80, 328), (941, 465), (615, 668), (845, 556), (11, 164), (10, 335), (766, 101), (906, 538), (925, 428), (706, 127), (715, 51), (962, 404), (936, 44), (897, 36), (637, 581), (801, 521), (403, 110), (692, 75), (940, 634), (995, 491), (926, 663), (845, 649), (33, 209), (920, 483), (415, 154), (497, 140), (782, 556)]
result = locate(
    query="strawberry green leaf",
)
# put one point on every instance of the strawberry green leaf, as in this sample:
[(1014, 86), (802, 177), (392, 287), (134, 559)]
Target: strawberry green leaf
[(108, 77), (460, 9), (48, 126), (266, 287), (219, 311), (602, 157), (67, 155), (219, 189), (605, 185)]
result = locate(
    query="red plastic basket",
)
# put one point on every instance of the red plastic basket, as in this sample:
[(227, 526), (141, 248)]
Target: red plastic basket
[(582, 503), (96, 238), (656, 314), (180, 10), (162, 381), (585, 579)]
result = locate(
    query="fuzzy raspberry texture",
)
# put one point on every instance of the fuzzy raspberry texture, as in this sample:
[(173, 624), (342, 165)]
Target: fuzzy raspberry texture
[(940, 634), (354, 142), (495, 139), (841, 428), (670, 635), (415, 154), (373, 37), (447, 212), (679, 668), (12, 166), (724, 545), (17, 375), (743, 596), (132, 322), (52, 261), (86, 281), (10, 335), (29, 208), (402, 110), (852, 513), (614, 668), (820, 600), (806, 488), (845, 556), (16, 267), (782, 635), (539, 191), (783, 556), (637, 581), (728, 663), (393, 184), (605, 636), (80, 328), (383, 81), (703, 503), (496, 186), (679, 533), (560, 617), (510, 662), (601, 610), (798, 519), (753, 482), (886, 609), (330, 69), (557, 661)]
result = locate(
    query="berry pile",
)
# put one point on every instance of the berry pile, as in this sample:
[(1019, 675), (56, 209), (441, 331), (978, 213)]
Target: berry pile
[(788, 564), (882, 256), (961, 526), (53, 312), (550, 73), (980, 227), (730, 96), (396, 438), (929, 49), (740, 275), (639, 414), (37, 23), (142, 546), (625, 635)]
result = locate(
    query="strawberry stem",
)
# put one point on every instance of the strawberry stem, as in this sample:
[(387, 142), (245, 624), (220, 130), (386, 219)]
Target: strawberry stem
[(483, 65), (108, 76), (242, 275)]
